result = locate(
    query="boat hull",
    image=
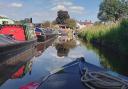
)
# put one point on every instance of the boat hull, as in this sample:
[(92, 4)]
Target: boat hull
[(7, 51)]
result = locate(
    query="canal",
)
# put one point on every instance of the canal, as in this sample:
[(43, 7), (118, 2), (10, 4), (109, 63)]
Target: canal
[(33, 64)]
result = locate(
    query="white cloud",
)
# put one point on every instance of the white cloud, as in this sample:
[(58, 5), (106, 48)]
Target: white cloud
[(67, 5), (72, 9), (79, 8), (16, 5), (11, 5), (59, 7)]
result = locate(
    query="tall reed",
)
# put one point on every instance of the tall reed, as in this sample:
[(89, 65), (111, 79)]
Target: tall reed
[(114, 35)]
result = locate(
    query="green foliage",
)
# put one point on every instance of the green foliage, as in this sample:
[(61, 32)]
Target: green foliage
[(113, 35), (62, 16), (113, 10), (124, 24), (46, 24), (97, 23), (54, 22), (71, 23)]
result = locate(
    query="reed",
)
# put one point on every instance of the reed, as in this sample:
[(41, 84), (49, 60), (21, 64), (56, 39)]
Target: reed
[(114, 35)]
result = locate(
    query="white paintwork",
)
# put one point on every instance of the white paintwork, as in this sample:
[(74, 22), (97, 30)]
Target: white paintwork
[(6, 19)]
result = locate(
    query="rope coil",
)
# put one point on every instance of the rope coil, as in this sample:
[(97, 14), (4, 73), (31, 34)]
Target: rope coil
[(102, 80)]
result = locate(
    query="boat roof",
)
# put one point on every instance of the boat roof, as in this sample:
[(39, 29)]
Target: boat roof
[(11, 25), (38, 30)]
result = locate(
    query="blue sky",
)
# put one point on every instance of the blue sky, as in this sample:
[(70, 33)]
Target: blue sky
[(43, 10)]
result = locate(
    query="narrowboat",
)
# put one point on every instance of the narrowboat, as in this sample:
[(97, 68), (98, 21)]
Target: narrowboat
[(40, 34), (49, 33), (80, 75), (44, 34), (15, 39)]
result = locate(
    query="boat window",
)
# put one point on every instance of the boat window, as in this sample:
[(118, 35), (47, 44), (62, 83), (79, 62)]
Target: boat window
[(5, 22)]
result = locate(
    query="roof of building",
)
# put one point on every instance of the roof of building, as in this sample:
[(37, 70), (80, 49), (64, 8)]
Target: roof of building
[(85, 22)]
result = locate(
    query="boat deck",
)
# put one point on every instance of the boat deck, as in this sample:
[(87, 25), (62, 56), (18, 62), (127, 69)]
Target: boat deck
[(70, 78)]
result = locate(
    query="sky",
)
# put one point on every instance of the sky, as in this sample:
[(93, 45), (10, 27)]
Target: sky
[(46, 10)]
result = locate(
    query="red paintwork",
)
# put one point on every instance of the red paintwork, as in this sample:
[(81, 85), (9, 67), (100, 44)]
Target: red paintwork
[(32, 85), (38, 33), (19, 73), (17, 31)]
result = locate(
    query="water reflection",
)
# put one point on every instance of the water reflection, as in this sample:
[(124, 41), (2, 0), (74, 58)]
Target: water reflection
[(24, 69), (47, 56), (19, 65), (41, 46), (15, 66), (63, 47), (110, 59)]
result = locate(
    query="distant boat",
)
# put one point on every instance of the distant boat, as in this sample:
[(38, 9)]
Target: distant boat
[(40, 34), (80, 75)]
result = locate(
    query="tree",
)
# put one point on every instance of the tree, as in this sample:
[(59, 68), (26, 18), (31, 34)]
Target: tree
[(113, 10), (62, 16), (54, 22), (46, 24), (124, 9), (97, 23), (71, 23)]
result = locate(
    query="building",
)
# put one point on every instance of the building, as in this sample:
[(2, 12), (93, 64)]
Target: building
[(86, 23), (4, 20)]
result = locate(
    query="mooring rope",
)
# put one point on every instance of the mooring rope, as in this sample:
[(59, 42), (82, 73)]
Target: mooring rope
[(102, 80)]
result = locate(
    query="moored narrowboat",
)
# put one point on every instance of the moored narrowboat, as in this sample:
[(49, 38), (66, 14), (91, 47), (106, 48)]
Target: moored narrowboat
[(15, 39), (40, 34)]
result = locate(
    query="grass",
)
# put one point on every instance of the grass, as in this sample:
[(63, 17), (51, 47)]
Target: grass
[(113, 35)]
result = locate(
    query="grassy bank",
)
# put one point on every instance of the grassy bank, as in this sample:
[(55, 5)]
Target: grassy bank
[(114, 36)]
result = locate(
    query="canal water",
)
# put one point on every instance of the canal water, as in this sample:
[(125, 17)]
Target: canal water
[(35, 63)]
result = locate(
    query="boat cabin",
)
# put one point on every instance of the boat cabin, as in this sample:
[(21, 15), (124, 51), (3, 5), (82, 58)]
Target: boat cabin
[(15, 31), (18, 32)]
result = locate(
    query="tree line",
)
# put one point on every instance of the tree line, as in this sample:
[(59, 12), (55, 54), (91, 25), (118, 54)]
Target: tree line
[(109, 10), (63, 18), (113, 10)]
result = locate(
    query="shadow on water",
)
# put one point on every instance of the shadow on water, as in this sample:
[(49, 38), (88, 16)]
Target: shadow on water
[(17, 66), (109, 59)]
